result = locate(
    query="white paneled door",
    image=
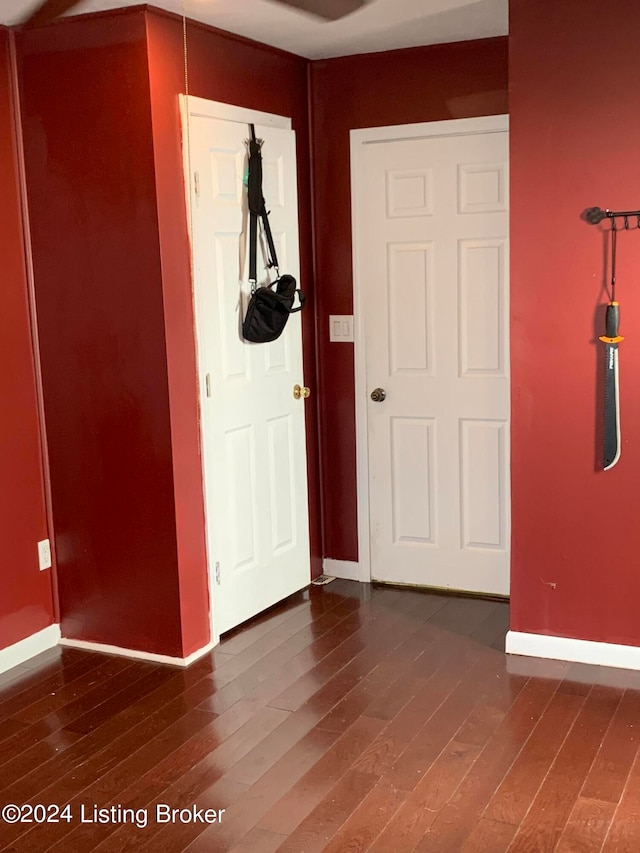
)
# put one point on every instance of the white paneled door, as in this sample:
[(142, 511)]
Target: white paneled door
[(253, 428), (431, 228)]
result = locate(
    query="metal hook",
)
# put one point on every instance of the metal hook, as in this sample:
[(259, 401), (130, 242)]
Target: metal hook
[(595, 215)]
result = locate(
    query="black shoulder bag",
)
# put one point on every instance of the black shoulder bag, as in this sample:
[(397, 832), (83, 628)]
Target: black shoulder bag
[(270, 305)]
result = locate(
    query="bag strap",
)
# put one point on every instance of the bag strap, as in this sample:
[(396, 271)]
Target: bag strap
[(254, 190), (301, 299), (257, 208)]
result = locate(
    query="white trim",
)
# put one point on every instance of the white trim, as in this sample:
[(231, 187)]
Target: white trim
[(578, 651), (201, 108), (28, 648), (345, 569), (359, 138), (104, 648), (421, 130)]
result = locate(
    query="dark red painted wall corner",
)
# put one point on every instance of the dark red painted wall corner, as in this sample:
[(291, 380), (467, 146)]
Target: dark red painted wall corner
[(445, 81), (26, 601), (575, 124), (98, 278), (113, 290), (164, 61)]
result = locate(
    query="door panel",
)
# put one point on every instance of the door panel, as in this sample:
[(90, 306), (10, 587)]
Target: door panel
[(412, 479), (432, 233)]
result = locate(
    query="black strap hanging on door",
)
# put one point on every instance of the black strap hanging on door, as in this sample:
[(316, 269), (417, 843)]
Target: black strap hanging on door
[(258, 210), (268, 309)]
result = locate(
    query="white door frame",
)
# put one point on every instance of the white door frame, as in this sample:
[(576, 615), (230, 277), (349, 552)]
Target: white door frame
[(191, 107), (360, 138)]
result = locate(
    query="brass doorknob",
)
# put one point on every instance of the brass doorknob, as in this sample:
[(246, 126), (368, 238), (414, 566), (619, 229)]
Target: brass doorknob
[(301, 391), (378, 395)]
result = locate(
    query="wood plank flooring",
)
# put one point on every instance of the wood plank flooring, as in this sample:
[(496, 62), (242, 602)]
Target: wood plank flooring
[(350, 718)]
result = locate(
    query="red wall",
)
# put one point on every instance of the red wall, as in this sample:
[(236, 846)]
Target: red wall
[(226, 68), (575, 125), (398, 87), (26, 603), (92, 194)]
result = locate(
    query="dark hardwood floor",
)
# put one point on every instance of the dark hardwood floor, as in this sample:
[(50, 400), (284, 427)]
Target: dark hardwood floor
[(350, 718)]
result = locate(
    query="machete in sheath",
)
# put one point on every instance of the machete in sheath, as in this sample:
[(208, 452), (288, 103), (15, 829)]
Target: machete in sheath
[(611, 387), (611, 339)]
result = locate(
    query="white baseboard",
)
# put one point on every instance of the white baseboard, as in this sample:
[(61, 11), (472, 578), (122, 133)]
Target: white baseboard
[(345, 569), (29, 647), (577, 651), (106, 649)]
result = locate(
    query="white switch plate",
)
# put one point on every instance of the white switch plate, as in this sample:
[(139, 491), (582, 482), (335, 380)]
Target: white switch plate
[(341, 328), (44, 554)]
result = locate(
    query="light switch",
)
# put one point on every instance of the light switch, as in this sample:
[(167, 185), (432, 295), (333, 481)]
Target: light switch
[(341, 328)]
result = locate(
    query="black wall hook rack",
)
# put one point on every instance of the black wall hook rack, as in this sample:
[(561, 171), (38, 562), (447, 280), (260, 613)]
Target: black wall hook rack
[(595, 215)]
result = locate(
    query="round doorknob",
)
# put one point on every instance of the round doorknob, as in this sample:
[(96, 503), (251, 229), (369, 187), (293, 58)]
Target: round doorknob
[(378, 395), (301, 391)]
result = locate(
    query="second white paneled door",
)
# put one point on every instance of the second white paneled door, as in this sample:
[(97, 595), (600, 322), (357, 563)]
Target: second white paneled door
[(431, 235)]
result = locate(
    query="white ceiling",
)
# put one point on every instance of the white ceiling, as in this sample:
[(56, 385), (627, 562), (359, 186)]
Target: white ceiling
[(381, 25)]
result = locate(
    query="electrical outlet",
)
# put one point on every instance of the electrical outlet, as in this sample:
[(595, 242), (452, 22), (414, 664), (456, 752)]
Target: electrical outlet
[(44, 554)]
